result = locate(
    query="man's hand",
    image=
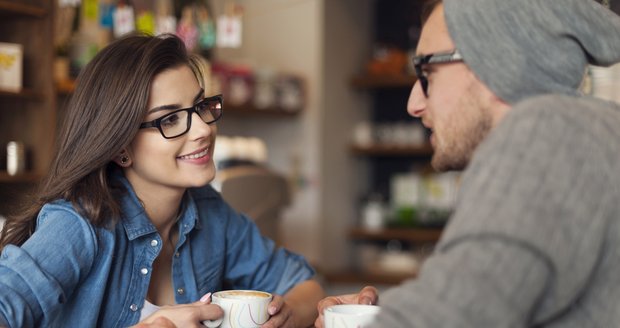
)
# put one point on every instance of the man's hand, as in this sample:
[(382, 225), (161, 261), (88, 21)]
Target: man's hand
[(368, 295)]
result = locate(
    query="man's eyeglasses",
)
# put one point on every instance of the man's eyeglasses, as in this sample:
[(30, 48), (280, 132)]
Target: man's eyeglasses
[(438, 58), (178, 122)]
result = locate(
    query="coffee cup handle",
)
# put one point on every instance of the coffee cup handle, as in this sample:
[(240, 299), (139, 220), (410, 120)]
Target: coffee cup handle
[(213, 323)]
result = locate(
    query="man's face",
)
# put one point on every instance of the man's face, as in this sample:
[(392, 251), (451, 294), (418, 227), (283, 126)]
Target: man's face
[(457, 107)]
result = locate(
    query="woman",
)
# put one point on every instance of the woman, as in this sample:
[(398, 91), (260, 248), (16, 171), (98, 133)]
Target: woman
[(125, 221)]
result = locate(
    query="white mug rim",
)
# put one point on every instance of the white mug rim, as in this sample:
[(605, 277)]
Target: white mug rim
[(350, 309), (222, 294)]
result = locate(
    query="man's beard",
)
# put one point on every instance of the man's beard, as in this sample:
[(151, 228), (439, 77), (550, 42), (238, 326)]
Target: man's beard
[(462, 135)]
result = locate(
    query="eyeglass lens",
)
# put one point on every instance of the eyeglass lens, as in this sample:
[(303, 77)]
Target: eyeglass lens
[(422, 78), (179, 122)]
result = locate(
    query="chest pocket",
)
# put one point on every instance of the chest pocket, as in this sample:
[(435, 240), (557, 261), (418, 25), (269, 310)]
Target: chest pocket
[(209, 271)]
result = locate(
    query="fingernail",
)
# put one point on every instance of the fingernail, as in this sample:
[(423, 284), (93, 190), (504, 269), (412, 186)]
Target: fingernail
[(272, 310), (205, 298)]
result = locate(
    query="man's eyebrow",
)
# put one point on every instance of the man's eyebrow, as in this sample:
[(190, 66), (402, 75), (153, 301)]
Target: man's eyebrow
[(175, 106)]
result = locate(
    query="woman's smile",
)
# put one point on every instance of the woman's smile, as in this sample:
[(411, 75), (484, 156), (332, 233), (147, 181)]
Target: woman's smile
[(201, 156)]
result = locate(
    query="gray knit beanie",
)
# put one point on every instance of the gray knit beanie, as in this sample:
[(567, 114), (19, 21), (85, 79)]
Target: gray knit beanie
[(522, 48)]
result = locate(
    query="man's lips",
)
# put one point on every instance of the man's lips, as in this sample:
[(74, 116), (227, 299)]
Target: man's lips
[(427, 125)]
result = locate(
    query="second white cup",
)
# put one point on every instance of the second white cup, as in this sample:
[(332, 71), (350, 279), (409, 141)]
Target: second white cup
[(350, 316)]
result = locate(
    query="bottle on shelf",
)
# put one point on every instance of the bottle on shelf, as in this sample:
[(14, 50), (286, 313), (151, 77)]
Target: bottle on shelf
[(373, 213)]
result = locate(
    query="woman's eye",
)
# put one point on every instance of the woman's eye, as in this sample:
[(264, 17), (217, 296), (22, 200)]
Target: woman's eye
[(203, 106), (170, 120)]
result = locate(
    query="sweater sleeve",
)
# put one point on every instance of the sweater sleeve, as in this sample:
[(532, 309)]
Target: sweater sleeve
[(526, 233)]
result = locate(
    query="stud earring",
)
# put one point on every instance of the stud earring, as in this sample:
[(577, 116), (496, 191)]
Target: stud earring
[(124, 160)]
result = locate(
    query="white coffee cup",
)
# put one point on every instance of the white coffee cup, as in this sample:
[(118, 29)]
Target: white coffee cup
[(242, 308), (350, 315)]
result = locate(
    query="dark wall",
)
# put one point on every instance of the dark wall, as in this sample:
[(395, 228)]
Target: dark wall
[(397, 22)]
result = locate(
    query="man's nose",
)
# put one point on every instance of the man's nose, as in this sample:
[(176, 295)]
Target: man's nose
[(417, 101)]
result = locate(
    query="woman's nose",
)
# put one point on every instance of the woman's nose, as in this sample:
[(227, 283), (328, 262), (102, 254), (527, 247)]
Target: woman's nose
[(199, 128), (417, 101)]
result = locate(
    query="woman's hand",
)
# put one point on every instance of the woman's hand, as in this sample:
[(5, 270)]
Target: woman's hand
[(160, 322), (281, 314), (298, 306), (368, 295), (184, 315)]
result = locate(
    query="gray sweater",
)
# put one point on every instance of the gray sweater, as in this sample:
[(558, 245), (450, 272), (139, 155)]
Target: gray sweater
[(535, 238)]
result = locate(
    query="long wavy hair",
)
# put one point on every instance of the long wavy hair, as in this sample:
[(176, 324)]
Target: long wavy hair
[(102, 118)]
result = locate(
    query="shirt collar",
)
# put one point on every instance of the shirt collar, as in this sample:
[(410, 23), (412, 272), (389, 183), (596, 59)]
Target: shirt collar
[(135, 221)]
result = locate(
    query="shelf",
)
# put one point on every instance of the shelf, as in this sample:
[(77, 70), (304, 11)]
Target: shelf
[(23, 94), (366, 278), (392, 150), (413, 235), (383, 81), (65, 88), (251, 110), (20, 178), (11, 7)]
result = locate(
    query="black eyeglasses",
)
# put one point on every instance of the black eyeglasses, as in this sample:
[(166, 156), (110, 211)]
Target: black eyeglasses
[(178, 122), (438, 58)]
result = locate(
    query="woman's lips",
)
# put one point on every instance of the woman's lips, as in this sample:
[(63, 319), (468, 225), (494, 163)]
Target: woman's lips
[(198, 157)]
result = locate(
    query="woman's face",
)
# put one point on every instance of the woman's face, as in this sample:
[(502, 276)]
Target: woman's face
[(159, 164)]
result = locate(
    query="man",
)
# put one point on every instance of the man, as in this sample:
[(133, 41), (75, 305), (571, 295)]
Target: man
[(535, 237)]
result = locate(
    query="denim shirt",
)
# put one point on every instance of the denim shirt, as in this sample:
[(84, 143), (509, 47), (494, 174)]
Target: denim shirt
[(72, 274)]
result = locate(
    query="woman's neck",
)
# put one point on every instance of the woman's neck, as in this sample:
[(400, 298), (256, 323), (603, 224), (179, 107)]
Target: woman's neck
[(162, 206)]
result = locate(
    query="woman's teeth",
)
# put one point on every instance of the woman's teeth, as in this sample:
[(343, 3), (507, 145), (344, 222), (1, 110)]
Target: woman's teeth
[(198, 155)]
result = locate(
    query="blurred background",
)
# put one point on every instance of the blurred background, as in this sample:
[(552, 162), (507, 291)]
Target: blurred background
[(315, 144)]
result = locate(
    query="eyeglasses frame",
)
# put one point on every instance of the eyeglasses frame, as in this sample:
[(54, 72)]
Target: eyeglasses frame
[(156, 123), (429, 59)]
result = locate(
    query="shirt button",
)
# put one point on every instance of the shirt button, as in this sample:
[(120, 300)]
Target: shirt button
[(154, 242), (180, 291), (144, 271), (177, 254), (133, 307)]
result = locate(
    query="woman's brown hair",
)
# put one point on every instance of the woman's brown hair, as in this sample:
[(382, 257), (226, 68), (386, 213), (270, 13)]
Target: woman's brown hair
[(101, 119)]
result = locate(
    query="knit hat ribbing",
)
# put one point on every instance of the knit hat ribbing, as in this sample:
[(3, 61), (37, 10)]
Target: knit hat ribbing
[(523, 48)]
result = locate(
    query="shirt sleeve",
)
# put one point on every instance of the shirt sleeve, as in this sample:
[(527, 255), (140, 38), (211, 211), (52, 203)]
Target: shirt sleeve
[(254, 262), (526, 234), (38, 277)]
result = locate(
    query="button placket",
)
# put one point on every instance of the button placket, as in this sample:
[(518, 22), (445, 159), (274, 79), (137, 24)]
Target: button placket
[(144, 268)]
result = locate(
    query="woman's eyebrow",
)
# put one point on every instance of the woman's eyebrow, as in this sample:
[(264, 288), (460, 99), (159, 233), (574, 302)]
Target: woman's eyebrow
[(175, 106), (199, 95)]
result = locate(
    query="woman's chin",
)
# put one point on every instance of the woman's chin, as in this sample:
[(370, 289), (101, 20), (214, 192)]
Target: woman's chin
[(201, 179)]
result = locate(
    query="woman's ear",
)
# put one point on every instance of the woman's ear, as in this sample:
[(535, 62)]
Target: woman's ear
[(123, 159)]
